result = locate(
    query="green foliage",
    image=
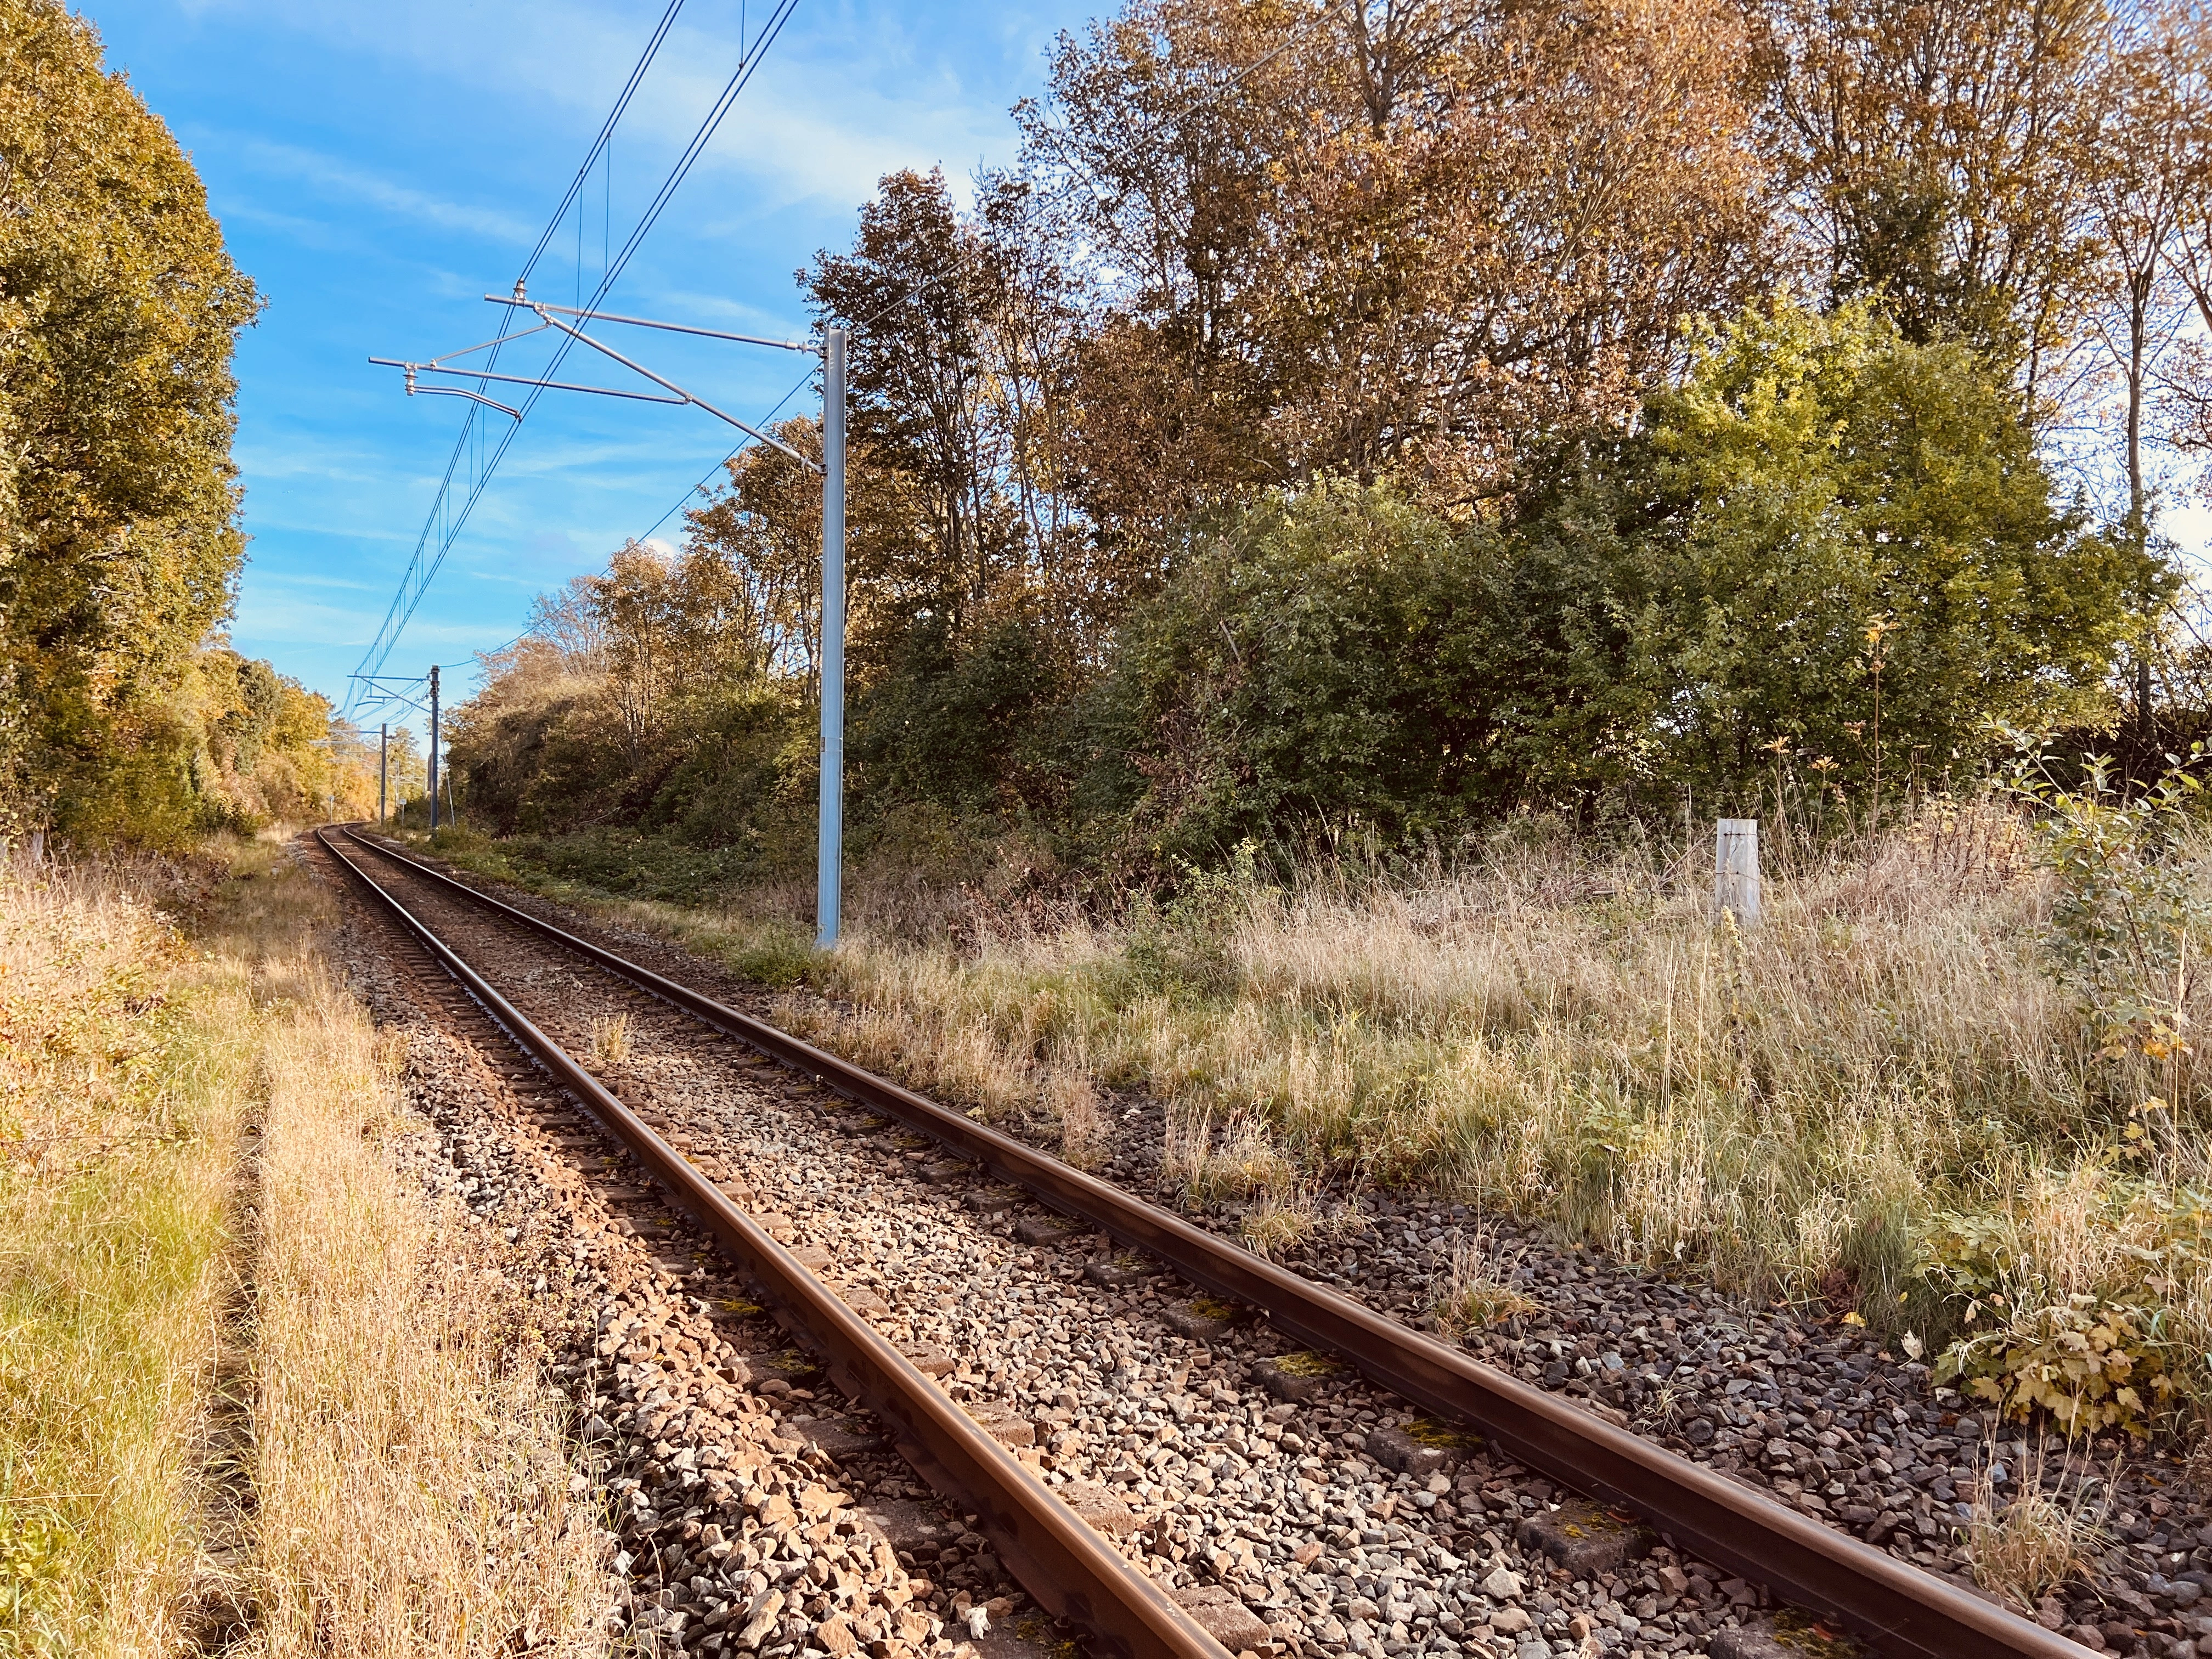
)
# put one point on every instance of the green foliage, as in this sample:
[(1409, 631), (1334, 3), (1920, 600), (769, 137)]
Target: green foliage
[(1181, 948), (630, 866), (1829, 542), (1829, 547), (262, 749), (2091, 1365), (2095, 1359), (118, 540), (34, 1562), (1900, 239), (723, 768), (951, 727), (778, 955), (1844, 476), (597, 863), (1307, 667), (2126, 906)]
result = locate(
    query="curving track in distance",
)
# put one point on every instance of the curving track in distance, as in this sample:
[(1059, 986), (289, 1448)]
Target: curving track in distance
[(1892, 1605)]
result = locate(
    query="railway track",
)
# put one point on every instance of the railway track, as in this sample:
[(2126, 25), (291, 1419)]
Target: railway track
[(1068, 1567), (1630, 1485)]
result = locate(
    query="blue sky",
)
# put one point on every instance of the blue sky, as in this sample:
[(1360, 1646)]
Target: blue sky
[(377, 167)]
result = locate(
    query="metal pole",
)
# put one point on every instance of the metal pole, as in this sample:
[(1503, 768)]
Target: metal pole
[(434, 748), (383, 766), (829, 853)]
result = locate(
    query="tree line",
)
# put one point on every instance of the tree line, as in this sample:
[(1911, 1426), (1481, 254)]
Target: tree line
[(123, 714), (1410, 412)]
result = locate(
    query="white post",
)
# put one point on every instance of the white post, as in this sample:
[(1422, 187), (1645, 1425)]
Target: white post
[(830, 851), (383, 767), (1735, 869)]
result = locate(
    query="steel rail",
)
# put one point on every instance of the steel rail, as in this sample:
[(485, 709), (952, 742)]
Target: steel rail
[(1053, 1554), (1897, 1608)]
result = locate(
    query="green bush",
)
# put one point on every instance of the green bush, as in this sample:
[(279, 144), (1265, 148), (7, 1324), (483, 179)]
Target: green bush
[(1829, 548), (2092, 1358), (1306, 668), (2127, 907), (1181, 948)]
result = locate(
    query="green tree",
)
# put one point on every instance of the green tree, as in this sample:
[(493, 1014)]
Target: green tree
[(1308, 666), (118, 534), (1833, 538), (1829, 542)]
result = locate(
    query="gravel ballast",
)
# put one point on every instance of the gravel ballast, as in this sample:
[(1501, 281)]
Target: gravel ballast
[(1321, 1512)]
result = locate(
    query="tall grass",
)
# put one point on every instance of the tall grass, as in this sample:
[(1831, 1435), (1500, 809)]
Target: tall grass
[(253, 1392), (1566, 1033), (411, 1483), (1563, 1035), (126, 1088)]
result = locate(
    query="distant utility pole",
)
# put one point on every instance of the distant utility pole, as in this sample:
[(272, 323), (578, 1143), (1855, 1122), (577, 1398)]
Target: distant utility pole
[(434, 748), (832, 349), (390, 689)]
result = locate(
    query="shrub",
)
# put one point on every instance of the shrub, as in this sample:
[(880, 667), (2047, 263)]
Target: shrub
[(2075, 1301), (1304, 668), (2127, 906)]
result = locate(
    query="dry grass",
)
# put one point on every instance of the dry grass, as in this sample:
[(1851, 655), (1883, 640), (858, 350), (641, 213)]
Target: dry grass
[(125, 1087), (192, 1183), (1483, 1285), (412, 1477), (1071, 1098), (610, 1044), (1238, 1159), (1558, 1033), (1558, 1038), (1281, 1219), (2050, 1531)]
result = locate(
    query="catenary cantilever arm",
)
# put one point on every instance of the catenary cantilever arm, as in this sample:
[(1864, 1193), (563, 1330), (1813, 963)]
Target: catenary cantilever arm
[(812, 348), (523, 379), (638, 368)]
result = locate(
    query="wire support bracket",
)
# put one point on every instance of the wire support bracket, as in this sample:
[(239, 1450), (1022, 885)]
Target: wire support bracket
[(551, 317)]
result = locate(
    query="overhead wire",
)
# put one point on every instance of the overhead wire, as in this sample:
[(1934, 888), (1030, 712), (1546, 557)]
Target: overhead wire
[(386, 698), (449, 522), (797, 386), (468, 445), (444, 518)]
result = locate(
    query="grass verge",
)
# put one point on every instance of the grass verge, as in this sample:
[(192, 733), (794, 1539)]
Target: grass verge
[(411, 1477), (1893, 1100), (127, 1057), (196, 1182)]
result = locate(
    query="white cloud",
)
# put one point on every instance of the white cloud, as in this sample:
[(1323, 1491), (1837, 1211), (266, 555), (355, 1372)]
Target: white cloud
[(450, 131), (292, 579), (841, 96), (345, 182)]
